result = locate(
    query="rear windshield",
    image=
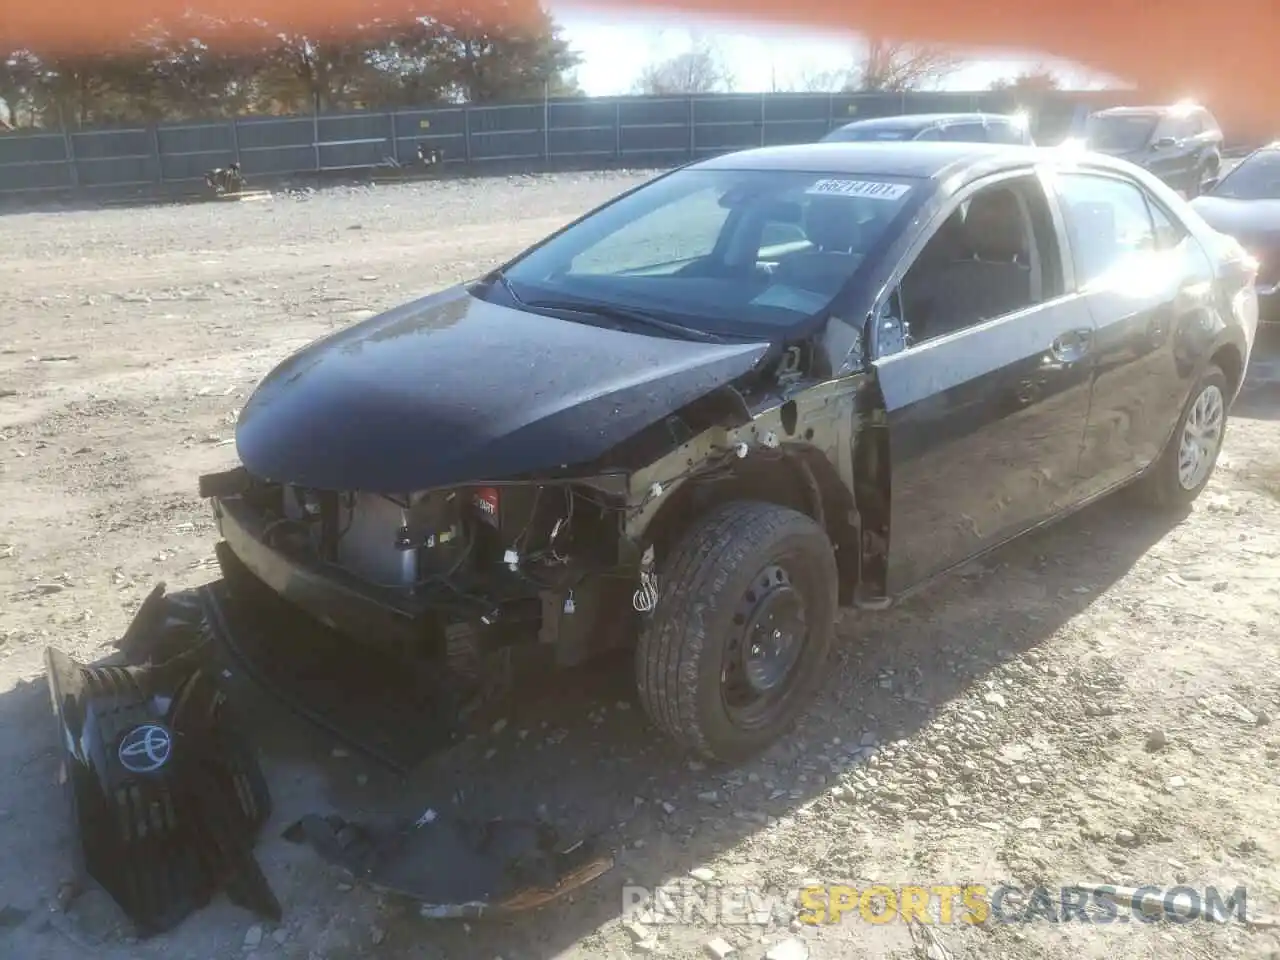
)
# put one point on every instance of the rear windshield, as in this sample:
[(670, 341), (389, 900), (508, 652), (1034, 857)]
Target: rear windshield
[(1120, 131), (1255, 178)]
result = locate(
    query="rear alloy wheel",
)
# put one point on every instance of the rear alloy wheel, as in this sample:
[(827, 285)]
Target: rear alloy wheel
[(739, 640), (1186, 465)]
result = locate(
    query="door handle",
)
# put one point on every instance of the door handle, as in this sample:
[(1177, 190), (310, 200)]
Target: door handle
[(1072, 345)]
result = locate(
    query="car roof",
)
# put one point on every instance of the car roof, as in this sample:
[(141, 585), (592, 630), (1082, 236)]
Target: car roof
[(1266, 148), (1149, 111), (920, 120), (911, 158)]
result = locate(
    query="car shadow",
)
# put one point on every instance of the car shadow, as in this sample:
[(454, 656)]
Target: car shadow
[(579, 752), (1259, 398)]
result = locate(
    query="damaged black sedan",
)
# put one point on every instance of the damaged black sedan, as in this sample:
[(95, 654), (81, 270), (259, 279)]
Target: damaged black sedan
[(704, 417)]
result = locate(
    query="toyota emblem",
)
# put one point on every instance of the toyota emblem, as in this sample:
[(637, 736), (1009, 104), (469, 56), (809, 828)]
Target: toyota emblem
[(145, 748)]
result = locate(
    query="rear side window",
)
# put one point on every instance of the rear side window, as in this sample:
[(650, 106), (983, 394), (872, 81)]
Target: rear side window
[(1002, 131), (1168, 231), (1192, 125), (1108, 223), (965, 133)]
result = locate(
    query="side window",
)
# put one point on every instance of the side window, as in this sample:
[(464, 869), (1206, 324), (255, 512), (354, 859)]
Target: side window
[(1167, 127), (965, 133), (1182, 127), (1001, 131), (1168, 231), (671, 235), (1108, 223), (932, 133), (994, 255)]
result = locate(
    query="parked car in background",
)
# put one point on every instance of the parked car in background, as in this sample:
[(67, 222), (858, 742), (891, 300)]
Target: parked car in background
[(955, 127), (1181, 143), (701, 418), (1245, 204)]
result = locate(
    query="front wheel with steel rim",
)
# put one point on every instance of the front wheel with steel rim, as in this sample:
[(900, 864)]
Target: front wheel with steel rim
[(1186, 465), (738, 641)]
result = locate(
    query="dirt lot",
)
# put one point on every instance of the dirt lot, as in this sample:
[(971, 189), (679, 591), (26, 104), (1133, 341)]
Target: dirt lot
[(1095, 703)]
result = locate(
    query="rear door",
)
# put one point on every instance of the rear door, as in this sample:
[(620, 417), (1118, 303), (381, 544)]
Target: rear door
[(983, 364), (1144, 279)]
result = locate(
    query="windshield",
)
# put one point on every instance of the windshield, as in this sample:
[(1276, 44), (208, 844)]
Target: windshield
[(730, 252), (862, 134), (1254, 178), (1120, 132)]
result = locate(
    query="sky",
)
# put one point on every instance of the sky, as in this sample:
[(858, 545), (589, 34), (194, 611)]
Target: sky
[(616, 46)]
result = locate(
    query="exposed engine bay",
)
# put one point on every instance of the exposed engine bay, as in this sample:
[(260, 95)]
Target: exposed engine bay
[(443, 539), (460, 553)]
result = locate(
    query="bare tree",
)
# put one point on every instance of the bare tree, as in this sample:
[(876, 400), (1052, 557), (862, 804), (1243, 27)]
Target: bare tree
[(700, 69), (895, 66), (808, 80), (1039, 79)]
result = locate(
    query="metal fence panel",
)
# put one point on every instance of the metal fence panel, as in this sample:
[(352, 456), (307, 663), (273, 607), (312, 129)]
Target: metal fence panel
[(582, 142), (635, 130), (651, 139), (580, 114), (262, 133), (722, 137), (797, 107), (110, 144), (187, 152), (117, 171), (783, 133), (506, 119), (507, 145), (710, 110), (280, 161), (658, 111), (24, 177), (19, 148)]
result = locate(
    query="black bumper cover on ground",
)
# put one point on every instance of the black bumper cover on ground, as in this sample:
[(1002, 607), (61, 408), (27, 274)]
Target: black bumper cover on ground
[(167, 797)]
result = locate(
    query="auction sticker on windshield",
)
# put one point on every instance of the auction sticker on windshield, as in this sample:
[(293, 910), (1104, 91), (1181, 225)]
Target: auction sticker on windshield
[(871, 189)]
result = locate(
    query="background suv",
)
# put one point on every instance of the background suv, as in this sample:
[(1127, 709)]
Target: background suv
[(1180, 144)]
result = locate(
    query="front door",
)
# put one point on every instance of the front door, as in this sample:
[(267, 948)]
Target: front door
[(1145, 279), (987, 388)]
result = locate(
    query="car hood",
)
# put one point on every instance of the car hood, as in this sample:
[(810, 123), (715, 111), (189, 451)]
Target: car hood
[(453, 389), (1246, 220)]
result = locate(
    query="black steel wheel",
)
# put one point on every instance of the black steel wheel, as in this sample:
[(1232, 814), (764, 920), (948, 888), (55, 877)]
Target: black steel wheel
[(737, 644)]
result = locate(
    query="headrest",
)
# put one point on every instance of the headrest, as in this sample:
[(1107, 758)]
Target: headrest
[(993, 225), (831, 224)]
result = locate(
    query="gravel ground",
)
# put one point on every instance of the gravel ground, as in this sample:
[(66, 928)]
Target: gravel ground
[(1093, 703)]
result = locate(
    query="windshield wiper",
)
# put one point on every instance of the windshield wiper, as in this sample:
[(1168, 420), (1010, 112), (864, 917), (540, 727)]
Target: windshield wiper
[(624, 315)]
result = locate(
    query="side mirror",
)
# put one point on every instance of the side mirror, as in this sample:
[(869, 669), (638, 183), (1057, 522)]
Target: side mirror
[(1208, 183), (1164, 143)]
